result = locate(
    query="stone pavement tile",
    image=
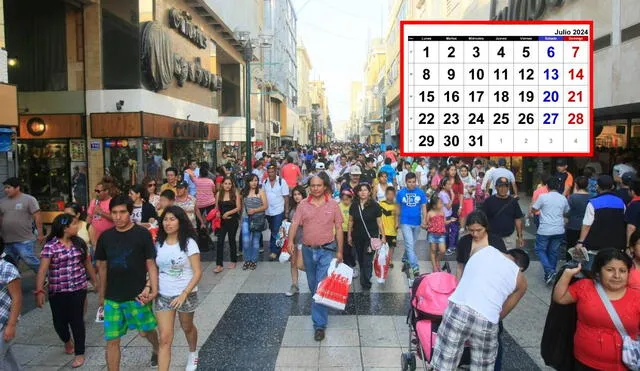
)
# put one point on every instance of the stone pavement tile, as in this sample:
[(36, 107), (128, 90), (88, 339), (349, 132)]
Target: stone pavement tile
[(381, 357), (379, 337), (26, 353), (51, 356), (298, 357), (302, 322), (376, 322), (141, 356), (296, 369), (536, 285), (525, 323), (340, 338), (342, 322), (299, 338), (340, 357), (534, 353)]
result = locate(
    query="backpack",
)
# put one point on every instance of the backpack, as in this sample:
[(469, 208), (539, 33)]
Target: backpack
[(279, 181), (562, 178)]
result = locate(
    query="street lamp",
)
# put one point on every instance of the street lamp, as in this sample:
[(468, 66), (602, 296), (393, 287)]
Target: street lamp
[(247, 54)]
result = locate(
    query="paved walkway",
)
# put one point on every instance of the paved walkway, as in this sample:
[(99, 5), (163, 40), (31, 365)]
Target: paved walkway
[(246, 323)]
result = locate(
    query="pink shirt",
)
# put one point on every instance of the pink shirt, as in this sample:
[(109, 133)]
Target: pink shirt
[(290, 173), (99, 223), (540, 191), (204, 192), (319, 222)]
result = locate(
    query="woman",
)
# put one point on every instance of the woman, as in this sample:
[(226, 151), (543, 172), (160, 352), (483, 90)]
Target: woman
[(478, 236), (188, 204), (297, 195), (179, 271), (229, 205), (66, 261), (255, 203), (469, 186), (380, 186), (634, 252), (75, 209), (453, 228), (151, 185), (365, 222), (578, 202), (597, 344), (205, 192), (143, 213)]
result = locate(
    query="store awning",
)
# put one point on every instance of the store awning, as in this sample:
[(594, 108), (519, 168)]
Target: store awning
[(631, 110)]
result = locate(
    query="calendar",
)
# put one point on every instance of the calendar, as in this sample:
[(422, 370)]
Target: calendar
[(488, 88)]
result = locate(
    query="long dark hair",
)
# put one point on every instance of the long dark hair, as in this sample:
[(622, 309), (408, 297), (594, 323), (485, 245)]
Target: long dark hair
[(77, 209), (292, 202), (456, 178), (185, 229), (603, 258), (232, 191), (141, 190), (62, 222), (357, 190), (246, 189), (478, 217)]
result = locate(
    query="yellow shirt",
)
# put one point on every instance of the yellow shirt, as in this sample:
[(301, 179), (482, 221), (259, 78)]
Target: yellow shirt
[(345, 216), (168, 186), (389, 222)]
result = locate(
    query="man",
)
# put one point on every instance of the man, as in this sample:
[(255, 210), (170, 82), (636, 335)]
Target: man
[(603, 224), (354, 179), (632, 213), (369, 172), (565, 179), (487, 185), (342, 166), (505, 215), (492, 285), (125, 255), (390, 170), (321, 220), (624, 187), (412, 203), (291, 173), (190, 174), (172, 180), (10, 308), (501, 172), (259, 170), (19, 211), (277, 193), (552, 206)]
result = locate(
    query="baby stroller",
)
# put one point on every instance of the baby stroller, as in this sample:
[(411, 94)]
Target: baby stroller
[(429, 298)]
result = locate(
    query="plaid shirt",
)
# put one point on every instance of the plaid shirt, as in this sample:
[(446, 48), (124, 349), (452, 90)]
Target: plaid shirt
[(8, 273), (66, 270)]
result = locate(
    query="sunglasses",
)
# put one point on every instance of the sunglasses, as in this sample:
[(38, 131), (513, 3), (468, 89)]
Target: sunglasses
[(65, 220), (151, 185), (98, 190)]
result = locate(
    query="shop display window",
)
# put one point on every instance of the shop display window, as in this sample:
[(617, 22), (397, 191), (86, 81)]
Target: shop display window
[(44, 170), (122, 161)]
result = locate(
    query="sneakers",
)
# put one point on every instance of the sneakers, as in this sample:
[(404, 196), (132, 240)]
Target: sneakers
[(416, 271), (319, 334), (154, 360), (450, 252), (261, 250), (273, 257), (356, 272), (292, 291), (549, 278), (240, 253), (245, 266), (192, 362)]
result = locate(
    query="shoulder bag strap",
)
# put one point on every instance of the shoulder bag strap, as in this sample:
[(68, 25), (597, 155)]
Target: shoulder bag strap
[(611, 310), (361, 218), (504, 206)]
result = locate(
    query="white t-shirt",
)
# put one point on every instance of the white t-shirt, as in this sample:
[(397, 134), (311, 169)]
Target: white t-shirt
[(275, 195), (136, 214), (424, 175), (174, 267)]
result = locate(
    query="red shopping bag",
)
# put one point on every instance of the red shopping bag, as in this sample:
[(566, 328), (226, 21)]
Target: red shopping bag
[(333, 291), (381, 263)]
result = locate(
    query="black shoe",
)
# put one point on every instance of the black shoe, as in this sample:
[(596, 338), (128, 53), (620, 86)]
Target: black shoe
[(319, 335), (154, 360)]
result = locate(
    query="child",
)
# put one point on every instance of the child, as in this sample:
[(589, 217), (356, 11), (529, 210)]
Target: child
[(469, 189), (480, 195), (446, 195), (390, 220), (348, 251), (436, 228)]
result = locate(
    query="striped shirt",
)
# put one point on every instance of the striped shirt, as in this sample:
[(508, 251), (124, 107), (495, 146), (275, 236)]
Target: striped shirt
[(8, 273), (320, 222), (66, 270)]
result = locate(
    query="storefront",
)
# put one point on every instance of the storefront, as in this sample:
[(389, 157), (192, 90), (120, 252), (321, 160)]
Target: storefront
[(52, 160), (137, 145), (8, 123)]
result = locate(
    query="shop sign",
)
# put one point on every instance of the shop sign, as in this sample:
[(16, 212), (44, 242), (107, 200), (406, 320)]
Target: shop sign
[(94, 145), (181, 21), (522, 10), (192, 130)]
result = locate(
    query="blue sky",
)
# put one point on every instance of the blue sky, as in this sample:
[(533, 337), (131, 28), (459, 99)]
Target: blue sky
[(335, 33)]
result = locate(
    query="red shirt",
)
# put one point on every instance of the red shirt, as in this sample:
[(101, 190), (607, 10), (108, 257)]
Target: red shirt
[(537, 193), (391, 155), (458, 189), (319, 222), (597, 343), (290, 173)]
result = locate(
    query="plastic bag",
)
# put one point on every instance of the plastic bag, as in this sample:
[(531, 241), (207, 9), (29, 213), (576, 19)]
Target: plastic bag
[(100, 315), (283, 233), (333, 291), (381, 263), (284, 252)]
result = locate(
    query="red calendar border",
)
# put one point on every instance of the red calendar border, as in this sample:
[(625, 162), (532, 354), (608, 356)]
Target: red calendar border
[(488, 22)]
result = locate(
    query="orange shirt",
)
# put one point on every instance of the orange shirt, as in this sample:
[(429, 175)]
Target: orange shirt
[(540, 191), (290, 173)]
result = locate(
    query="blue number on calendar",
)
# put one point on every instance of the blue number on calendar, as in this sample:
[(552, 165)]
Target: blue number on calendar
[(551, 52), (550, 96), (552, 74), (550, 118)]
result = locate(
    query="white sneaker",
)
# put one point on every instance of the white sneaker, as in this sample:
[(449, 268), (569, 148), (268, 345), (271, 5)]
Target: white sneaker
[(292, 291), (192, 362), (356, 272)]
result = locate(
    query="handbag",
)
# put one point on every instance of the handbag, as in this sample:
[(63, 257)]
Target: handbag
[(257, 222), (630, 347), (375, 242)]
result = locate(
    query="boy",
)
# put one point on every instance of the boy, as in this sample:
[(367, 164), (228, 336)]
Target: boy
[(390, 220), (167, 198), (346, 197)]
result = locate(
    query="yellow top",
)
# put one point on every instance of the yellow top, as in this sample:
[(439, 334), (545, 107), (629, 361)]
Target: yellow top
[(345, 216), (168, 186), (83, 232), (389, 222)]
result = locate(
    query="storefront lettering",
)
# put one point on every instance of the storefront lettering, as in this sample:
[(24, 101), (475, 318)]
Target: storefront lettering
[(191, 130), (522, 10), (181, 21)]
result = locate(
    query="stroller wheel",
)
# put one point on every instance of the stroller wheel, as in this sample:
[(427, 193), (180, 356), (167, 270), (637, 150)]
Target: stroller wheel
[(408, 361)]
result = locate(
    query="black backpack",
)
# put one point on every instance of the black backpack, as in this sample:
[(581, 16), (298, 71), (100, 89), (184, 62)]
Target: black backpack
[(561, 178)]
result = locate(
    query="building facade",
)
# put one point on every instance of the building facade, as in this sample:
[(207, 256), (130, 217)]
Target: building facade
[(320, 119), (374, 92), (8, 109), (304, 94)]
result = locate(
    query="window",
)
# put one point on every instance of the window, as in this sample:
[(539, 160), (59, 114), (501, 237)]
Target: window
[(45, 173)]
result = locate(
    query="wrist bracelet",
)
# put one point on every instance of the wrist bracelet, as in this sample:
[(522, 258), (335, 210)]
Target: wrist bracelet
[(36, 292)]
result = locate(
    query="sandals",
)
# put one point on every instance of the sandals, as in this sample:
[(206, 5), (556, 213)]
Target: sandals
[(77, 363), (232, 266), (68, 348), (218, 269)]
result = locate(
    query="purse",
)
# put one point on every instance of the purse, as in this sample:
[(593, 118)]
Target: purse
[(630, 347), (257, 222), (375, 242)]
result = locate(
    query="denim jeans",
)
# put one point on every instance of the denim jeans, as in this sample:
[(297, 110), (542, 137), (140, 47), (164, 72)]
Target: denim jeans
[(410, 234), (8, 359), (23, 250), (316, 263), (275, 221), (250, 241), (547, 250)]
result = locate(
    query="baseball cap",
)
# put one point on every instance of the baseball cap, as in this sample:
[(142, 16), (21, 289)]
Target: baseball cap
[(13, 182), (605, 182), (182, 185), (355, 170), (628, 178), (561, 162), (502, 162), (319, 165), (620, 169), (502, 181)]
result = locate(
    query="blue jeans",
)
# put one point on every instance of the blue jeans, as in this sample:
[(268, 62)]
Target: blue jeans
[(410, 234), (250, 242), (547, 250), (316, 263), (275, 221), (23, 250), (8, 360)]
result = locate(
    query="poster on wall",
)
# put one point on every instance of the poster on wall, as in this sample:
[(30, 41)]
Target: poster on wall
[(79, 186), (77, 147)]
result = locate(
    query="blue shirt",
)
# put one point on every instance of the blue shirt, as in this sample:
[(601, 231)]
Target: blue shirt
[(391, 172), (192, 185), (411, 202)]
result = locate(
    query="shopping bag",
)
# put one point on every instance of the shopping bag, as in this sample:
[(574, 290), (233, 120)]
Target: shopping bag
[(381, 263), (283, 233), (333, 291), (284, 252), (153, 229)]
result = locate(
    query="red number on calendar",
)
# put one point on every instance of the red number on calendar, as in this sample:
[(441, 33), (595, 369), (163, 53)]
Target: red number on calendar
[(575, 95), (575, 51), (576, 75), (576, 118)]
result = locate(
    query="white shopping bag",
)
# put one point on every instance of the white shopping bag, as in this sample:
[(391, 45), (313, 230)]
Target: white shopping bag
[(381, 263), (333, 291)]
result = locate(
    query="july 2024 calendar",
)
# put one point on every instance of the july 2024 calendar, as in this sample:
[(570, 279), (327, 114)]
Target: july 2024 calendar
[(496, 88)]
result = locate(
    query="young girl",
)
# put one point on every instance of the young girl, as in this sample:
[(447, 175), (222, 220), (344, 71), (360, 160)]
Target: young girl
[(447, 195), (349, 253), (297, 195), (66, 260), (467, 200), (437, 231), (390, 220), (229, 205), (380, 185)]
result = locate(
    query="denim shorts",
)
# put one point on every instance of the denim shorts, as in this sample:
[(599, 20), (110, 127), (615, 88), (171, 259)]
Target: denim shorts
[(163, 303), (437, 238)]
